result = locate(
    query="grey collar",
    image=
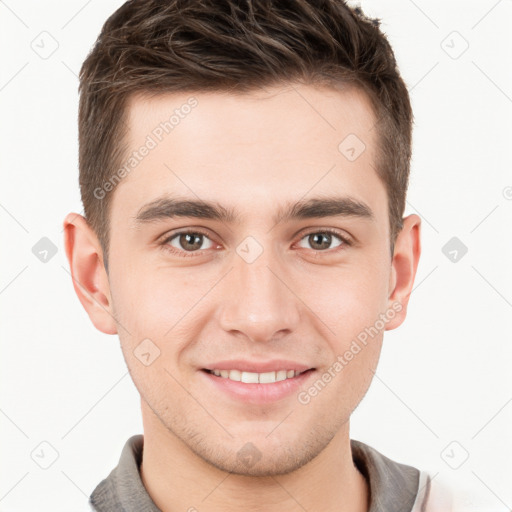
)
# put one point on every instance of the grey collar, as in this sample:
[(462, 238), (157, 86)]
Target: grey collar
[(393, 486)]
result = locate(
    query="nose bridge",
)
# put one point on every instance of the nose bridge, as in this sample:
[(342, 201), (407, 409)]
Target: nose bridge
[(259, 303)]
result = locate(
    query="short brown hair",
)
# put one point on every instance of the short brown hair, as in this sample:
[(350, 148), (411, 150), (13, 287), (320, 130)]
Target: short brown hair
[(157, 46)]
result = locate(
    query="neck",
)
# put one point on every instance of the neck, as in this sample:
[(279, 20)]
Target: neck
[(177, 479)]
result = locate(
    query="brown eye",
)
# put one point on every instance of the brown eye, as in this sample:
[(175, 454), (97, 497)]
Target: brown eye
[(188, 241), (322, 240), (319, 241)]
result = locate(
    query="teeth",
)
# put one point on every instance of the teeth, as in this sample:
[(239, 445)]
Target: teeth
[(267, 378), (255, 378), (281, 375), (250, 378), (235, 375)]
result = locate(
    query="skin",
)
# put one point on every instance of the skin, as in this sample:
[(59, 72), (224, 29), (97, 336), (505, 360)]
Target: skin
[(254, 152)]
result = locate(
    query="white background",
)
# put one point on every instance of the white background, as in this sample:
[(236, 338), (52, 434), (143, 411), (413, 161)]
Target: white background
[(444, 375)]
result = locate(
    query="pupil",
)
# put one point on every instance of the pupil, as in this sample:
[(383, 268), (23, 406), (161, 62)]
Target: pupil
[(324, 236), (185, 240)]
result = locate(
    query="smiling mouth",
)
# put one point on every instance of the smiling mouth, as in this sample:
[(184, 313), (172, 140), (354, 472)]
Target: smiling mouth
[(256, 378)]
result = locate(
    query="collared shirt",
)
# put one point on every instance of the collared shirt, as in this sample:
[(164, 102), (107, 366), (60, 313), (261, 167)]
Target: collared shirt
[(393, 487)]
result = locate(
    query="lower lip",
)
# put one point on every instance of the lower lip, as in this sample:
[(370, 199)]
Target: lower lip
[(259, 393)]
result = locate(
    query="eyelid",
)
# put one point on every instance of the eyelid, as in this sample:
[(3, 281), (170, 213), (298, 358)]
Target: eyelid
[(165, 239), (171, 234), (344, 237)]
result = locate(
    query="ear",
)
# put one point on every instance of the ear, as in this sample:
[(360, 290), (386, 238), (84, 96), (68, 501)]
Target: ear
[(90, 279), (403, 269)]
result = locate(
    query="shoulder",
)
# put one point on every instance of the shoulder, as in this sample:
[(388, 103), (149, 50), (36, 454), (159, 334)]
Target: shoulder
[(401, 487), (440, 493), (434, 495)]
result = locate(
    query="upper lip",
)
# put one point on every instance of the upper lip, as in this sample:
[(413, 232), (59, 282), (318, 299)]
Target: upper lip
[(258, 367)]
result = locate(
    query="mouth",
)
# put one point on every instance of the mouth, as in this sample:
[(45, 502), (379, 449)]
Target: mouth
[(254, 377), (253, 387)]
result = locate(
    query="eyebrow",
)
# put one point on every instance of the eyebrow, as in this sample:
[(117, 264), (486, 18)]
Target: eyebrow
[(168, 207)]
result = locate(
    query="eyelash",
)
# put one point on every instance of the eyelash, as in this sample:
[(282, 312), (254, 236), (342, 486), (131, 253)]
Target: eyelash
[(187, 254)]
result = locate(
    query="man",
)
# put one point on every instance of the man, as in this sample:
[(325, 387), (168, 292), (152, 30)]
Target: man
[(243, 169)]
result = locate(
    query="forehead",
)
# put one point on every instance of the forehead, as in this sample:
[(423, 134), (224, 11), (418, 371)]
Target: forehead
[(250, 149), (254, 116)]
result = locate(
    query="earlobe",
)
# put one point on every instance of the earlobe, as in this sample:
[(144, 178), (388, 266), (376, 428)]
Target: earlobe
[(89, 277), (404, 264)]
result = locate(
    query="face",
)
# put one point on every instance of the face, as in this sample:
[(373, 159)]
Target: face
[(277, 274)]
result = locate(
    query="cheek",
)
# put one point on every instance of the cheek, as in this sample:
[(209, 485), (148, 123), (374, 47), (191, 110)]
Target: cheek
[(152, 300), (350, 301), (357, 321), (162, 305)]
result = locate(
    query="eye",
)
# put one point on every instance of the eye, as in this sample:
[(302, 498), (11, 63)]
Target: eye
[(187, 242), (192, 242), (322, 240)]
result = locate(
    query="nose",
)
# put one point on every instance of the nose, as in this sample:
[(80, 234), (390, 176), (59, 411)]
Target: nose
[(258, 301)]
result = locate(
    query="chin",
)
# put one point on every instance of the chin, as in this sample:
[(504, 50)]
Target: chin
[(263, 456), (257, 464)]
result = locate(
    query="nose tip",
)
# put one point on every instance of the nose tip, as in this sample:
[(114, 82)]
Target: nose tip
[(260, 303)]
